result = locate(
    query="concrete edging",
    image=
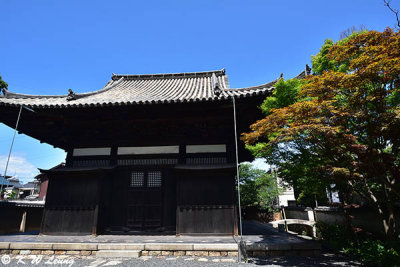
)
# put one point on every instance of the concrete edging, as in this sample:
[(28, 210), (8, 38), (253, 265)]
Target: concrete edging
[(120, 246), (158, 249), (4, 245), (283, 247)]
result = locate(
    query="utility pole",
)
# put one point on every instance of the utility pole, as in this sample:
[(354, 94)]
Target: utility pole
[(12, 144)]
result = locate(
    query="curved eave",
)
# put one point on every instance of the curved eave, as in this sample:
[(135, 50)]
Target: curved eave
[(173, 101), (108, 86)]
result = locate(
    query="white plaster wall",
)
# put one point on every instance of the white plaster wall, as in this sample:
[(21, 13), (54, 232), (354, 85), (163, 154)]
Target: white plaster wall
[(98, 151), (205, 149), (142, 150)]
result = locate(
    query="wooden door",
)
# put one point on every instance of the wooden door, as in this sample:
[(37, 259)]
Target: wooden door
[(144, 205)]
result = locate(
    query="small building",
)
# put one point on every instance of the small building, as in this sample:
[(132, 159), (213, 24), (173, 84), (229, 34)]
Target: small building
[(11, 187), (30, 190), (145, 153), (286, 196)]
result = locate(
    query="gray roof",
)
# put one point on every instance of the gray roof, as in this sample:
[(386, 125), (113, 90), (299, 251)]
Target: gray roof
[(145, 89), (30, 185), (10, 182)]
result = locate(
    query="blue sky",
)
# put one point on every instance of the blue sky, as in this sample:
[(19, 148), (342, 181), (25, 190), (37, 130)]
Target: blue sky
[(49, 46)]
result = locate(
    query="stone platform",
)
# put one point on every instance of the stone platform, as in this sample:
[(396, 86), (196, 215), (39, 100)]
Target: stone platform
[(259, 239)]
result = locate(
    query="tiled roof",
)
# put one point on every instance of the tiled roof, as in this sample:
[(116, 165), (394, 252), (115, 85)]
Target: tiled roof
[(9, 182), (4, 181), (145, 89), (30, 185)]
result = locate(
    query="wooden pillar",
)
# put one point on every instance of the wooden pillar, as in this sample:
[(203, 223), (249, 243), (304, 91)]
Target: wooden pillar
[(114, 155), (235, 221), (177, 222), (182, 154), (95, 220), (69, 158), (23, 222)]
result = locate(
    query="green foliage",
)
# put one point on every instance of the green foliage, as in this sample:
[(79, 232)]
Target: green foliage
[(343, 128), (301, 169), (3, 84), (257, 187), (364, 248), (12, 195), (248, 189), (321, 61), (375, 252), (335, 235), (285, 94)]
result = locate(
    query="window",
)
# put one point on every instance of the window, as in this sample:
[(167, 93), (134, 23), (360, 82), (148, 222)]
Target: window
[(154, 179), (137, 179)]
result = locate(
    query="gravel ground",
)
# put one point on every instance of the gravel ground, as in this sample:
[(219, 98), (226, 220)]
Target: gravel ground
[(325, 259)]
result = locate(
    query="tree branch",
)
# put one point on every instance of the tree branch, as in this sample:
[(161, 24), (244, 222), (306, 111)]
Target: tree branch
[(394, 11)]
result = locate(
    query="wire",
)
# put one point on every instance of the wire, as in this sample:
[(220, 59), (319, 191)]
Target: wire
[(12, 143), (238, 180)]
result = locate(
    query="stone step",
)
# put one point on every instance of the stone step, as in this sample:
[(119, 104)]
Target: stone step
[(118, 253)]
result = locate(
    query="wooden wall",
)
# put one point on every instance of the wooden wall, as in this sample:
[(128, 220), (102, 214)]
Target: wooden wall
[(205, 202), (72, 204)]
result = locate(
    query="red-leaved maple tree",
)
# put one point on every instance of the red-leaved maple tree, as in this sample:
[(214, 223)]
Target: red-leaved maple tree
[(353, 117)]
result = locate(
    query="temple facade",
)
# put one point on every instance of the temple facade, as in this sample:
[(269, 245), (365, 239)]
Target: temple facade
[(146, 153)]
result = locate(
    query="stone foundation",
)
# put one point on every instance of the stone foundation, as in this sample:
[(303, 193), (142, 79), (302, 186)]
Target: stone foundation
[(190, 253), (143, 253), (201, 253), (159, 249)]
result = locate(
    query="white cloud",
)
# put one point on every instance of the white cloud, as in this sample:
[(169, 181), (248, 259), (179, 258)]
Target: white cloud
[(18, 166)]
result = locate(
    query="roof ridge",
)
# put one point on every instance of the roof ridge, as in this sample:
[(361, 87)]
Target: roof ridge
[(9, 94), (110, 84), (169, 75)]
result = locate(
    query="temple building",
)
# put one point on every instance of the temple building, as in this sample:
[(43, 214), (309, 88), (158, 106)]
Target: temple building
[(146, 153)]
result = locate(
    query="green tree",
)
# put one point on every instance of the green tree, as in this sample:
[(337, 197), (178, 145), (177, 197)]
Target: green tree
[(285, 94), (323, 62), (297, 169), (299, 160), (3, 85), (348, 120), (257, 187)]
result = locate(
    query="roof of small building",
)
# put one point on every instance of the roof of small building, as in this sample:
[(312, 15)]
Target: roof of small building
[(144, 89), (30, 185), (4, 181), (11, 182)]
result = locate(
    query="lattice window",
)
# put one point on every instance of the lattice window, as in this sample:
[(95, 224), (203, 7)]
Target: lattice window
[(206, 161), (137, 179), (154, 179), (127, 162), (91, 163)]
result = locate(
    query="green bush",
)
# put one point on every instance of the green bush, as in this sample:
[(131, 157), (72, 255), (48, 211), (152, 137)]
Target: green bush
[(375, 252), (367, 249)]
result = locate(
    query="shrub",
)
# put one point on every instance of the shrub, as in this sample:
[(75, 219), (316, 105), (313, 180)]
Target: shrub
[(362, 247)]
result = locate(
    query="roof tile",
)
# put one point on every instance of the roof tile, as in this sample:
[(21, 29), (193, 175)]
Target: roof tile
[(145, 89)]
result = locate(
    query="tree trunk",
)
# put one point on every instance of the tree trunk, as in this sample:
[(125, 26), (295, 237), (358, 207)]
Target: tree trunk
[(390, 224), (385, 213)]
